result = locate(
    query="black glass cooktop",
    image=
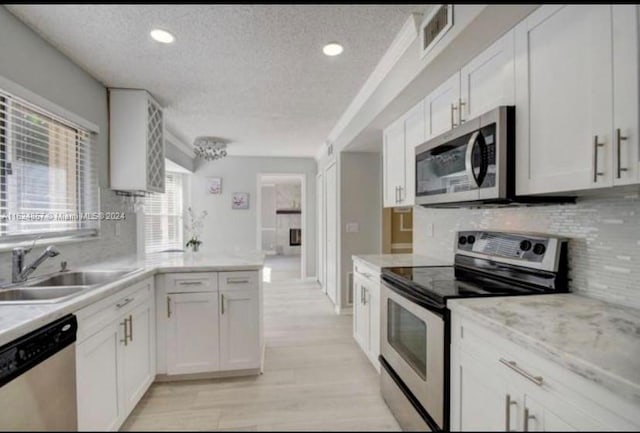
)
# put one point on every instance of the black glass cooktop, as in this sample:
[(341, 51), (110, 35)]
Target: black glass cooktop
[(440, 283)]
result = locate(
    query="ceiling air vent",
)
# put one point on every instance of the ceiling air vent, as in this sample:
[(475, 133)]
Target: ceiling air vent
[(434, 26)]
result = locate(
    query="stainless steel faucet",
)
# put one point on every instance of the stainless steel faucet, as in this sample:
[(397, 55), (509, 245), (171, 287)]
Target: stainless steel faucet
[(20, 272)]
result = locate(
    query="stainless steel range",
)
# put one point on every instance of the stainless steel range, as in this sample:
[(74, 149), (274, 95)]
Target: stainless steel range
[(415, 324)]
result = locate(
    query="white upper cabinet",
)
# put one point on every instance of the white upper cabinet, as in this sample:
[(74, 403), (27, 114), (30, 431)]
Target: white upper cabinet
[(564, 99), (414, 135), (441, 107), (394, 163), (626, 166), (488, 80), (136, 141)]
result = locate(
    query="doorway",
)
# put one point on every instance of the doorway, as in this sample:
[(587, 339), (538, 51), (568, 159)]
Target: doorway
[(281, 225)]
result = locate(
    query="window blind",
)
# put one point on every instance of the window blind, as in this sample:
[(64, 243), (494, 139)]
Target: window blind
[(48, 177), (163, 216)]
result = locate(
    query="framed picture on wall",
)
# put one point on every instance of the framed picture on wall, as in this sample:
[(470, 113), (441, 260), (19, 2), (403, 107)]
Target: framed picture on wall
[(214, 185), (240, 200)]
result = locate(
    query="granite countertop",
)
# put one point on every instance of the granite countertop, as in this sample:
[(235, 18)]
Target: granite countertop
[(596, 340), (380, 261), (19, 319)]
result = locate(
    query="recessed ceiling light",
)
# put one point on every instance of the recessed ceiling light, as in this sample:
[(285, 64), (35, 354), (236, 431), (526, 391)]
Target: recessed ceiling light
[(332, 49), (162, 36)]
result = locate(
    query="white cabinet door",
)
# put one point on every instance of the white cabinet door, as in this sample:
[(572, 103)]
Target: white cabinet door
[(481, 398), (331, 272), (488, 80), (97, 380), (441, 107), (626, 156), (564, 99), (394, 163), (373, 303), (192, 333), (550, 413), (138, 355), (239, 329), (414, 132), (361, 316)]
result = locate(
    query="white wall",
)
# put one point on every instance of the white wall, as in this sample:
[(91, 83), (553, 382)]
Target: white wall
[(237, 229), (31, 62), (360, 203)]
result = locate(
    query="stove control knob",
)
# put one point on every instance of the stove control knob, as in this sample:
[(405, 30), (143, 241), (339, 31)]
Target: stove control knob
[(471, 239), (462, 240), (539, 249), (525, 245)]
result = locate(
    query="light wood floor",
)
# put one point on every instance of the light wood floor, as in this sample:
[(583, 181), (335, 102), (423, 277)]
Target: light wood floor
[(315, 378)]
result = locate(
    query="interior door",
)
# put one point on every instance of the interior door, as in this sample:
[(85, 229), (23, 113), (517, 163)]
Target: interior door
[(441, 107), (332, 232), (239, 329), (564, 99), (320, 206), (192, 333)]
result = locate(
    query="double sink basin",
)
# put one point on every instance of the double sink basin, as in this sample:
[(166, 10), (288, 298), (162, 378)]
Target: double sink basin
[(59, 287)]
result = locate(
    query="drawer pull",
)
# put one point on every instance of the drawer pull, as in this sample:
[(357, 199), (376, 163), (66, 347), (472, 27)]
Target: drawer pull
[(190, 283), (235, 281), (514, 366), (169, 306), (130, 327), (125, 302)]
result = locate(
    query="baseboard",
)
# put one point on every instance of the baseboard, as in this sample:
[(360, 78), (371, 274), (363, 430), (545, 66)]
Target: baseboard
[(210, 375), (343, 310)]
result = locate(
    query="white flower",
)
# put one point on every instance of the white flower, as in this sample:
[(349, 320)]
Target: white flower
[(195, 223)]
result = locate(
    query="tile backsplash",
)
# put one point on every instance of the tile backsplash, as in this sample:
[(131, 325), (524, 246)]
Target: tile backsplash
[(604, 232), (76, 254)]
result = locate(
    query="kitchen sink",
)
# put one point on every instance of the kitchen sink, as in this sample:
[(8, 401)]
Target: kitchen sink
[(58, 287), (79, 278), (20, 295)]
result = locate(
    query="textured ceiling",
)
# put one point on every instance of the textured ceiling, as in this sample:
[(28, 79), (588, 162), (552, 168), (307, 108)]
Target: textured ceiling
[(252, 74)]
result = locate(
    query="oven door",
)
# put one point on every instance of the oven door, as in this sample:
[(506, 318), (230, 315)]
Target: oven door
[(412, 343)]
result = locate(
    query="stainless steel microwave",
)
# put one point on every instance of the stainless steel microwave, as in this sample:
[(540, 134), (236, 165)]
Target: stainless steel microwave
[(470, 165)]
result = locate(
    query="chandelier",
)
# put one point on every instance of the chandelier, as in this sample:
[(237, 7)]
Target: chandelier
[(210, 148)]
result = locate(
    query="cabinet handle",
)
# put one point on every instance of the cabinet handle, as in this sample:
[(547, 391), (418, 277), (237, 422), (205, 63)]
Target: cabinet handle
[(364, 296), (221, 303), (507, 412), (400, 188), (124, 324), (527, 417), (453, 109), (396, 194), (169, 306), (125, 302), (130, 327), (619, 139), (514, 366), (190, 283), (232, 281), (461, 104), (596, 145)]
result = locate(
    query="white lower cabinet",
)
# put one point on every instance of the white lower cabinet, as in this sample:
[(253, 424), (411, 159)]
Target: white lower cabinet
[(209, 322), (192, 332), (366, 311), (497, 385), (239, 329), (115, 356)]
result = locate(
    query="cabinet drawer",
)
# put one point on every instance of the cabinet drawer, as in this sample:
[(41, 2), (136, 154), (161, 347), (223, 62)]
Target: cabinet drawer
[(239, 280), (191, 282), (365, 271), (95, 317)]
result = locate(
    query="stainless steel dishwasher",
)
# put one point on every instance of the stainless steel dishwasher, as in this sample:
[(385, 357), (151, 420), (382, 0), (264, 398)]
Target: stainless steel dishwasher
[(38, 379)]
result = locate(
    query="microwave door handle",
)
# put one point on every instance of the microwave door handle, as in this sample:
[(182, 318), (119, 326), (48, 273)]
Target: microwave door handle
[(468, 158)]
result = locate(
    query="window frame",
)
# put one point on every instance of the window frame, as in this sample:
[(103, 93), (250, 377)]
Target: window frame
[(7, 241)]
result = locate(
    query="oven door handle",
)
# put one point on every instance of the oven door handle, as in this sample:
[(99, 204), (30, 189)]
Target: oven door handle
[(423, 302)]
